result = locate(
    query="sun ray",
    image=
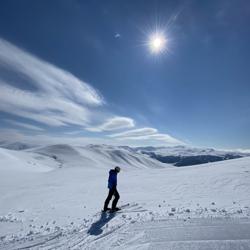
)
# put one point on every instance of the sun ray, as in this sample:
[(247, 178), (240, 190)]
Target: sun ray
[(158, 36), (157, 42)]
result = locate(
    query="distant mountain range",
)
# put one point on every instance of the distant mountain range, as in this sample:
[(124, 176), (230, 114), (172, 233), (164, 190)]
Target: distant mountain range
[(185, 156), (15, 145), (176, 156)]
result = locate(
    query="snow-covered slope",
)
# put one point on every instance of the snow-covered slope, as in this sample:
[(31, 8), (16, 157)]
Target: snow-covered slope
[(48, 207), (103, 156), (19, 161), (175, 155)]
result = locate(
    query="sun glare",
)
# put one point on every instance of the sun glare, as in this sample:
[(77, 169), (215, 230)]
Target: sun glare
[(157, 43)]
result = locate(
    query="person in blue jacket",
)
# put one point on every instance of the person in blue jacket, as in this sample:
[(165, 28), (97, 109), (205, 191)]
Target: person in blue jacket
[(112, 184)]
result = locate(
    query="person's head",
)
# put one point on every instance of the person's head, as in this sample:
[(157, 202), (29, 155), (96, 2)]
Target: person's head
[(117, 169)]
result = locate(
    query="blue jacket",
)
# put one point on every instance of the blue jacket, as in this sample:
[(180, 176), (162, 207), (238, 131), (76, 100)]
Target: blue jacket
[(112, 182)]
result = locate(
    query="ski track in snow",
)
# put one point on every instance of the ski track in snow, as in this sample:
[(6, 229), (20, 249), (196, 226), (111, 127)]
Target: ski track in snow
[(79, 238), (167, 234), (137, 228)]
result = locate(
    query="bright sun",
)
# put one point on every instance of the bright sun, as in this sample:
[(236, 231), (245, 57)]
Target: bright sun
[(157, 43)]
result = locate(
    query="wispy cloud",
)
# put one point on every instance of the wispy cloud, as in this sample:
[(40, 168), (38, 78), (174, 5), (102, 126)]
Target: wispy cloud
[(149, 134), (58, 97), (113, 123), (117, 35), (164, 138), (24, 125), (135, 132), (75, 138), (55, 97), (14, 135)]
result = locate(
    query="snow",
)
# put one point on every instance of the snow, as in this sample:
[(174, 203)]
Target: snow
[(51, 197), (98, 156)]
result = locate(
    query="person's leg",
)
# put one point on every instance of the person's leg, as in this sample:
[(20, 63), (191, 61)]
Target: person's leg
[(117, 197), (106, 203)]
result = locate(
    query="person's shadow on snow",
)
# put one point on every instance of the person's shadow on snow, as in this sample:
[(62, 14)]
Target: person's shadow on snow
[(96, 227)]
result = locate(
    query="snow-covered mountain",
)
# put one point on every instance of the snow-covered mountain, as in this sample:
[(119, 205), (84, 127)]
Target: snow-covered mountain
[(188, 156), (90, 156), (128, 156), (187, 151)]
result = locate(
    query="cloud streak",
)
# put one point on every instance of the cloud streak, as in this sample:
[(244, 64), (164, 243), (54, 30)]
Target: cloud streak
[(164, 138), (57, 98), (24, 125), (12, 135), (135, 132), (52, 96), (146, 134), (114, 123)]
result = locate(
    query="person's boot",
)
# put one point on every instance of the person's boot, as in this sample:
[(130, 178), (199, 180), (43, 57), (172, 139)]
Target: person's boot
[(114, 209), (106, 209)]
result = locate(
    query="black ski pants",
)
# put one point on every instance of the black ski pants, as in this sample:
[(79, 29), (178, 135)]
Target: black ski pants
[(112, 191)]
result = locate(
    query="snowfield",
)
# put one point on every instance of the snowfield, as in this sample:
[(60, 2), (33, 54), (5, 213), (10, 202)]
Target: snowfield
[(51, 198)]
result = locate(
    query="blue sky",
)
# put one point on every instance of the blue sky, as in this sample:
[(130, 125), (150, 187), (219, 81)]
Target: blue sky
[(81, 71)]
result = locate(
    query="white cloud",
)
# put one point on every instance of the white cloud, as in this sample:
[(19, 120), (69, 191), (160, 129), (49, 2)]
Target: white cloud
[(117, 35), (24, 125), (164, 138), (12, 135), (114, 123), (59, 97), (135, 132), (146, 134)]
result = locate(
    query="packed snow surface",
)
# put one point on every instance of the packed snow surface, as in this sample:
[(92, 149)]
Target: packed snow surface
[(51, 198)]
